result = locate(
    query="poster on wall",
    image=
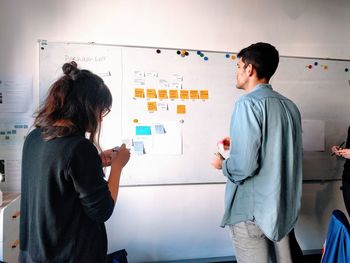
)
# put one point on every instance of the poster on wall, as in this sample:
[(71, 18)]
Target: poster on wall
[(16, 110)]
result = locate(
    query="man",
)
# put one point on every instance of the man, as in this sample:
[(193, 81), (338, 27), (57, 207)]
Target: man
[(264, 168)]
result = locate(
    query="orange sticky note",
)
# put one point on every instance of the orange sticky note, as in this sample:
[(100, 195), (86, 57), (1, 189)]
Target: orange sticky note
[(152, 106), (194, 94), (139, 93), (203, 94), (181, 109), (163, 94), (173, 94), (151, 94), (184, 94)]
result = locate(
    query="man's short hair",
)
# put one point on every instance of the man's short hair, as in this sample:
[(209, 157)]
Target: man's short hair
[(263, 56)]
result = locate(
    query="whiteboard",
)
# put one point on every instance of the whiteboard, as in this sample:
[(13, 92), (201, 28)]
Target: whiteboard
[(179, 138)]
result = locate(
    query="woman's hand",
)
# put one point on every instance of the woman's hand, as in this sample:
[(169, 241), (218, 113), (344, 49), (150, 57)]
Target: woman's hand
[(121, 157), (106, 157)]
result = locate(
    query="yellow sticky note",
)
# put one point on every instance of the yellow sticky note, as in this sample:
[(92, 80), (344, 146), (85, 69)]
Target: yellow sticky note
[(152, 106), (184, 94), (163, 94), (173, 94), (194, 94), (151, 94), (139, 93), (181, 109), (203, 94)]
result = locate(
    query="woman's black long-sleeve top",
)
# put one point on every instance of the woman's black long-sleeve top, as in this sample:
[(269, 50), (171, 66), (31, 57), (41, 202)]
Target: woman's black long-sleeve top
[(65, 201)]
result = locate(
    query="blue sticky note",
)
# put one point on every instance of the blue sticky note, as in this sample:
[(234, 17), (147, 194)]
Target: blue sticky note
[(139, 148), (159, 128), (143, 130)]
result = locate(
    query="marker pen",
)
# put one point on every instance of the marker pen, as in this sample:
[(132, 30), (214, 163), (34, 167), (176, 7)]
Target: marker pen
[(222, 157)]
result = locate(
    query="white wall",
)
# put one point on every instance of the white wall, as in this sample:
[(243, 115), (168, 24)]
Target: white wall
[(178, 222)]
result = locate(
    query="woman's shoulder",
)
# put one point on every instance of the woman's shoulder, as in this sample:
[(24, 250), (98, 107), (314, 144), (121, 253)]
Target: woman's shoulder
[(80, 144), (73, 148), (33, 133)]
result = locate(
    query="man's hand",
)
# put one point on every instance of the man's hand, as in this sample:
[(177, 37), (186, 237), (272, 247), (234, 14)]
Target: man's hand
[(217, 162)]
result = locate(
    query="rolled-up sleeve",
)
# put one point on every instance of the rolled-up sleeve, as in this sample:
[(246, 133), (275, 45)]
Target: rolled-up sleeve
[(245, 134), (86, 173)]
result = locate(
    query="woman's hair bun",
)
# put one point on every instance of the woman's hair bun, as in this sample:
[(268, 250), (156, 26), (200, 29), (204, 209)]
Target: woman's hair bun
[(69, 68)]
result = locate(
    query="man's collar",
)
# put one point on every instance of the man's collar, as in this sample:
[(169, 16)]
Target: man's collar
[(261, 86)]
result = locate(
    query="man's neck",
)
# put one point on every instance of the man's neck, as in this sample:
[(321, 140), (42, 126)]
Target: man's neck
[(255, 82)]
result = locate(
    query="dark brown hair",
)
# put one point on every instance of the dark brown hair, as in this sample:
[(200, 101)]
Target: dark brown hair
[(263, 56), (75, 104)]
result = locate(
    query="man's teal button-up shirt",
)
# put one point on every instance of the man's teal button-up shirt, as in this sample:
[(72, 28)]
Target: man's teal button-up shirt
[(264, 169)]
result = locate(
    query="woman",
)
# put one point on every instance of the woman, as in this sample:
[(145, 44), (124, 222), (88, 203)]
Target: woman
[(65, 199), (345, 153)]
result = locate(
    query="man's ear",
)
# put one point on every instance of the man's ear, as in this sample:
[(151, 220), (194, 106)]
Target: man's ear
[(250, 70)]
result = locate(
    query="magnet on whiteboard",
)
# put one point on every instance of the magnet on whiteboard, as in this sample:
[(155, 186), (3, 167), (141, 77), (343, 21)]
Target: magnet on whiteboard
[(136, 120), (182, 121)]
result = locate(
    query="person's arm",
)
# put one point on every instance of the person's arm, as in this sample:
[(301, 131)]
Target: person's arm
[(345, 153), (85, 171), (119, 160), (246, 136)]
